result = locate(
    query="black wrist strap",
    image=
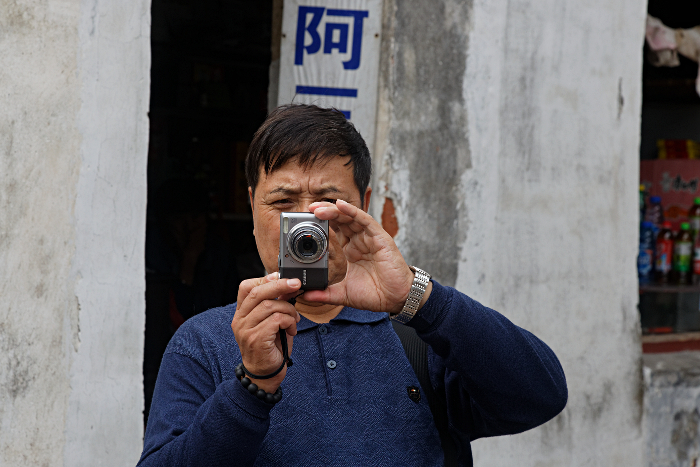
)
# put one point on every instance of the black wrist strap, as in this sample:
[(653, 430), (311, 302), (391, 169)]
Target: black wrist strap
[(285, 355), (271, 375)]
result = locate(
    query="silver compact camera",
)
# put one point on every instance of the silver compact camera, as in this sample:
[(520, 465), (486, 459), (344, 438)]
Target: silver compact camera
[(304, 249)]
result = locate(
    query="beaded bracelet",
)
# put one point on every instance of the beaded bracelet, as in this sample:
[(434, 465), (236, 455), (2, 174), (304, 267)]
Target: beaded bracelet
[(254, 390)]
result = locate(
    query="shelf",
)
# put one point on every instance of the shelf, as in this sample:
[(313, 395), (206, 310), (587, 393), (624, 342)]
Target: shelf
[(664, 90), (669, 288), (678, 342)]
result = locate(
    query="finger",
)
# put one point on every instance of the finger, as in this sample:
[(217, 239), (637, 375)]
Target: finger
[(355, 227), (267, 291), (333, 295), (259, 339), (269, 324), (320, 204), (271, 290), (345, 213), (342, 238), (370, 225), (294, 295), (261, 348), (271, 308), (247, 285), (346, 231), (337, 219), (329, 211)]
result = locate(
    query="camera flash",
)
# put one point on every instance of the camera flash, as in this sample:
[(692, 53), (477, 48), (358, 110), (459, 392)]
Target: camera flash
[(285, 227)]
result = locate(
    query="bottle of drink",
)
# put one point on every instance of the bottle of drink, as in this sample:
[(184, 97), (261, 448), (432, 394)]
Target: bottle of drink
[(694, 218), (664, 254), (642, 206), (645, 260), (655, 212), (683, 256)]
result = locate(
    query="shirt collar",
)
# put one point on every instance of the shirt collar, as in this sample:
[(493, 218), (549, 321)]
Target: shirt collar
[(347, 314)]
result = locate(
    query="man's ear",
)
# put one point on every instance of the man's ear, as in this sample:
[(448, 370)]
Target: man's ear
[(252, 206), (368, 195)]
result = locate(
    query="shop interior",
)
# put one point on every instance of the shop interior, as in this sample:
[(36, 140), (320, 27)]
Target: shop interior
[(669, 301), (209, 87)]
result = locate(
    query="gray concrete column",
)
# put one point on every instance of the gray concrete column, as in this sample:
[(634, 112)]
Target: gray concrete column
[(74, 87), (508, 152)]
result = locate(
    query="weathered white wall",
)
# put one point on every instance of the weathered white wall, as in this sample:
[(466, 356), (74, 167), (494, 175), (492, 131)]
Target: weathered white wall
[(672, 409), (536, 159), (74, 86)]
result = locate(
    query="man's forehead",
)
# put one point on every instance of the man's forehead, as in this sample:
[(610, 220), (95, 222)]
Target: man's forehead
[(327, 176)]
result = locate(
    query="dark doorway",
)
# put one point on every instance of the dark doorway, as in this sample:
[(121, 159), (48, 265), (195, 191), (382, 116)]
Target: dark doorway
[(209, 85)]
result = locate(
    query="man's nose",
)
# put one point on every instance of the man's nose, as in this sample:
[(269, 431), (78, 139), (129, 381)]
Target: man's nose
[(304, 205)]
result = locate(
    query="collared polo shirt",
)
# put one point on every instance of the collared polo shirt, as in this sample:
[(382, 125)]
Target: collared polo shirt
[(345, 398)]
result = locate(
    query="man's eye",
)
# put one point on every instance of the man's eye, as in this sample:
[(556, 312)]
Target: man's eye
[(329, 200), (282, 201)]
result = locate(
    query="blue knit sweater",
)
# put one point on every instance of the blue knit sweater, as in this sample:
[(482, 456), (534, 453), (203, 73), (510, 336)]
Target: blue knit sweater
[(345, 398)]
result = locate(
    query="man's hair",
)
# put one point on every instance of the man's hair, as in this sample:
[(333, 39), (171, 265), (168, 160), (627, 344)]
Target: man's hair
[(311, 134)]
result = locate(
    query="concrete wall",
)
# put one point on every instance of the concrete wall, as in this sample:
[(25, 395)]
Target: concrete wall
[(672, 409), (508, 141), (74, 86)]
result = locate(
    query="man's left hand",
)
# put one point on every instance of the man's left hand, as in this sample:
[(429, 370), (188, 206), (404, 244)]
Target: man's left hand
[(377, 277)]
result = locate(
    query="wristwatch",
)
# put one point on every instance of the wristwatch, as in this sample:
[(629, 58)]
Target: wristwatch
[(420, 283)]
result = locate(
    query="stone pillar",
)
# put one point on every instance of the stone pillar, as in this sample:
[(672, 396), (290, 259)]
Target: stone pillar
[(75, 84), (508, 152)]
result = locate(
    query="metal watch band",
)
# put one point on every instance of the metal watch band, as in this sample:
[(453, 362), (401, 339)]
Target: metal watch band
[(420, 283)]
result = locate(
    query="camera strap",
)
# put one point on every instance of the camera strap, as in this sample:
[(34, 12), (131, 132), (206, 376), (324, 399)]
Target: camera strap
[(285, 349), (417, 353), (283, 338)]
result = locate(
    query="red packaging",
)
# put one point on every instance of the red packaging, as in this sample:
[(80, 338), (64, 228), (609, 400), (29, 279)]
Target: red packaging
[(677, 182), (664, 254)]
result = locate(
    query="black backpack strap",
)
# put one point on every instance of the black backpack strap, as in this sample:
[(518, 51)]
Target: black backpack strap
[(417, 353)]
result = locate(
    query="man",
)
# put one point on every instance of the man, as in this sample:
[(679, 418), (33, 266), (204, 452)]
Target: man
[(350, 398)]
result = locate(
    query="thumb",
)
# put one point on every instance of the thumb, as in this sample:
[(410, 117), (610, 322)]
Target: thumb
[(333, 295), (249, 284)]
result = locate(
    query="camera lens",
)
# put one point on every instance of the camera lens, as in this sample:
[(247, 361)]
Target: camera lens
[(307, 242), (308, 246)]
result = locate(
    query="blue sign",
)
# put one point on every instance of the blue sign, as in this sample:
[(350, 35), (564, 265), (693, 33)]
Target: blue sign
[(329, 56), (341, 44)]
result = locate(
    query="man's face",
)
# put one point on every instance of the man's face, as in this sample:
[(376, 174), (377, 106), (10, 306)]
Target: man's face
[(291, 188)]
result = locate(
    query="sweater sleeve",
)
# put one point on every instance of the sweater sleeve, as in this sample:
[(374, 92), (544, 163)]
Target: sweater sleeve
[(193, 422), (497, 377)]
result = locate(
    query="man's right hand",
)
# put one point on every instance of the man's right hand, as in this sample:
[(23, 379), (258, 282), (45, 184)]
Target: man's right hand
[(262, 310)]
